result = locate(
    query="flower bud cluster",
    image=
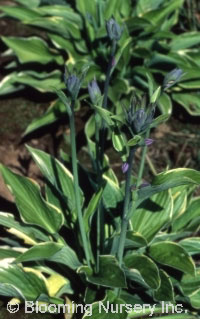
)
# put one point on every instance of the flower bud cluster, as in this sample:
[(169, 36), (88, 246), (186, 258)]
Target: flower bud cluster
[(139, 119), (114, 31)]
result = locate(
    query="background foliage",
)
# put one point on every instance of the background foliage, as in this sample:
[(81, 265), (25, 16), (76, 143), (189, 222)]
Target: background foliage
[(43, 257), (75, 34)]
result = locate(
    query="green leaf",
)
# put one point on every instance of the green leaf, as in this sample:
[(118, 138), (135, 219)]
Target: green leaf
[(134, 239), (31, 234), (91, 209), (195, 84), (61, 11), (135, 23), (53, 252), (169, 179), (153, 215), (160, 119), (195, 299), (56, 24), (134, 140), (174, 59), (165, 104), (192, 212), (32, 207), (173, 255), (10, 290), (165, 292), (62, 43), (120, 51), (156, 95), (190, 101), (32, 49), (86, 7), (57, 174), (6, 252), (191, 245), (102, 309), (147, 268), (144, 6), (89, 132), (105, 114), (112, 7), (67, 257), (109, 275), (119, 87), (112, 193), (126, 8), (150, 83), (20, 13), (39, 252), (7, 85), (158, 16), (64, 100), (56, 111), (30, 284), (190, 283), (119, 143), (43, 82), (179, 195), (187, 40), (30, 3)]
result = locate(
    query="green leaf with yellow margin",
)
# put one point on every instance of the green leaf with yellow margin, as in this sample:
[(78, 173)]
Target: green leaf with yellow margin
[(109, 275), (32, 207), (173, 255)]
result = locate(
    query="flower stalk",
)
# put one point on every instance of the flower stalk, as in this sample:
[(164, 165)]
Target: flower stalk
[(142, 161), (127, 199), (76, 184)]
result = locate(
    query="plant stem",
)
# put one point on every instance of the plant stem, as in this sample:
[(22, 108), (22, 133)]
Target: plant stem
[(142, 161), (125, 219), (100, 137), (105, 99), (76, 184), (108, 74), (99, 180)]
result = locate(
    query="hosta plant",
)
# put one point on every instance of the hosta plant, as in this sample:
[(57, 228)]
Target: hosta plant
[(89, 245), (75, 34)]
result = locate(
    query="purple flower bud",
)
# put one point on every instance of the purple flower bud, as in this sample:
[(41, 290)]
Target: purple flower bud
[(148, 141), (125, 167), (73, 84), (172, 78), (94, 91), (114, 31)]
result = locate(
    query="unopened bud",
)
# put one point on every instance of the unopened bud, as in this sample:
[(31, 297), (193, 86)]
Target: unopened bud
[(94, 91), (73, 84), (114, 31), (148, 141), (125, 167), (172, 78)]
